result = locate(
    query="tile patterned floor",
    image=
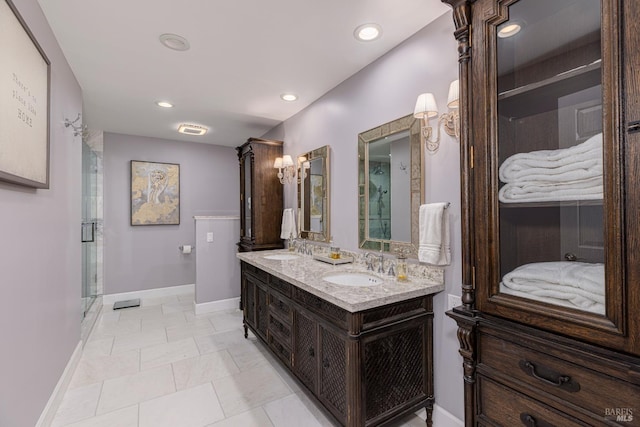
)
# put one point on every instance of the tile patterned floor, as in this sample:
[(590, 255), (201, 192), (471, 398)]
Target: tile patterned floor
[(160, 365)]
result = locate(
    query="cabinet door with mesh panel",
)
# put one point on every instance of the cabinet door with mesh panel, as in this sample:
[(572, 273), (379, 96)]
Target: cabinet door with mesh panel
[(333, 372), (305, 345)]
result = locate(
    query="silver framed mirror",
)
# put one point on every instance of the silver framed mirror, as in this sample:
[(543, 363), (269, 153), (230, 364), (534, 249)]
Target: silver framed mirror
[(390, 186), (314, 201)]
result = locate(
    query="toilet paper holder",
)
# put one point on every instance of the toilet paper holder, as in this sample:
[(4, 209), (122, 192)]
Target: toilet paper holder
[(181, 248)]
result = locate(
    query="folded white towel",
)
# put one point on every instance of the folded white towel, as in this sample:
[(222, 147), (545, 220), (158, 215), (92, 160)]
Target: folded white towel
[(288, 227), (578, 283), (592, 307), (585, 159), (582, 169), (434, 234), (535, 191)]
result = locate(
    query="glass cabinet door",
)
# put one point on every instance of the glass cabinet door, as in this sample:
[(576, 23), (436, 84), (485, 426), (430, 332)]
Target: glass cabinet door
[(550, 153), (246, 197), (552, 166)]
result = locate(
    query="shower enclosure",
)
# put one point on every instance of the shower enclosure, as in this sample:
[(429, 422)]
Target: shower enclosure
[(89, 227)]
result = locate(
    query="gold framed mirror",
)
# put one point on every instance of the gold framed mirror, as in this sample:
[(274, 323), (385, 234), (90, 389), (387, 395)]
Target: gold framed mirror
[(314, 201), (390, 186)]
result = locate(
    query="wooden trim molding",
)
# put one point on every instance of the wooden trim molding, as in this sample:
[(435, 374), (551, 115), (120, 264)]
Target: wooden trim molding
[(462, 21)]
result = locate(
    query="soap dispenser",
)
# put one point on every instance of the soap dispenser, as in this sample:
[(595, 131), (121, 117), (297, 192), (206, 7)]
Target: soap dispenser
[(334, 250), (402, 269)]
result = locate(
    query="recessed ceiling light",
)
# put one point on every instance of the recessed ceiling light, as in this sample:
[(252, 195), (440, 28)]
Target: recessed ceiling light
[(164, 104), (509, 30), (367, 32), (192, 129), (174, 41), (288, 97)]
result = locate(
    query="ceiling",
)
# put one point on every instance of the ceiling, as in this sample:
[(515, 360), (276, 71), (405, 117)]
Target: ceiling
[(244, 54)]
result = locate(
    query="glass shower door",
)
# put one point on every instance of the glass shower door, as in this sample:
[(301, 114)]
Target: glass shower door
[(88, 230)]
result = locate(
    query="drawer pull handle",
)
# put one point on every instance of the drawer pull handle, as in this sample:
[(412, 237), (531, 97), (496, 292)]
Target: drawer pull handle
[(634, 127), (563, 381), (529, 421)]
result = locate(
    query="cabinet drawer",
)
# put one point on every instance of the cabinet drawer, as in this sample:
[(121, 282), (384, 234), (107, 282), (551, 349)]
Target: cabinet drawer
[(505, 407), (280, 329), (261, 275), (321, 307), (279, 306), (574, 380), (280, 350), (281, 286)]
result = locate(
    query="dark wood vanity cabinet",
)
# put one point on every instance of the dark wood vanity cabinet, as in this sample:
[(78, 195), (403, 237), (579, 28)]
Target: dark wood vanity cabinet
[(254, 296), (261, 195), (549, 328), (366, 368)]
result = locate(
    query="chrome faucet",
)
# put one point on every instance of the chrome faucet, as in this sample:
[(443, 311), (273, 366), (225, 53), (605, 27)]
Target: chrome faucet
[(304, 248), (369, 261), (391, 271), (380, 263)]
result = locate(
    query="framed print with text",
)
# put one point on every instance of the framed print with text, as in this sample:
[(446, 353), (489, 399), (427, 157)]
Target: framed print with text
[(24, 103)]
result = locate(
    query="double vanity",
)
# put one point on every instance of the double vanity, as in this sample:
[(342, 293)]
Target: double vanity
[(359, 341)]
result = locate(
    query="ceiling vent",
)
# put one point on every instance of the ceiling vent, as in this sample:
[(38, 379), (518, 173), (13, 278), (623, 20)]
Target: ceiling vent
[(192, 129)]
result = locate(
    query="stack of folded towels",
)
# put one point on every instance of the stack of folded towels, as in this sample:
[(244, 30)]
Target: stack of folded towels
[(573, 284), (573, 173)]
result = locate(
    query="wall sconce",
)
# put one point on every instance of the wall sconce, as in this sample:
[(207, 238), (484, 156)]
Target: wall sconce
[(426, 108), (286, 169)]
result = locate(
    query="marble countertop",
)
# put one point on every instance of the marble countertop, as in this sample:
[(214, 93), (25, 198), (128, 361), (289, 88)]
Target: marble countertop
[(306, 273)]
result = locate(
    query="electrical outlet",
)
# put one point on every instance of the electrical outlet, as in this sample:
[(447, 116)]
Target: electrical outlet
[(209, 237), (453, 301)]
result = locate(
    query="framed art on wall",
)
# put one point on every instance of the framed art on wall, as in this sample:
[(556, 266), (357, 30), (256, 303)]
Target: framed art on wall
[(155, 193), (24, 103)]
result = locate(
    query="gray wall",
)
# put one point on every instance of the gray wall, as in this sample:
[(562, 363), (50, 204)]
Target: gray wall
[(217, 268), (147, 257), (384, 91), (40, 255)]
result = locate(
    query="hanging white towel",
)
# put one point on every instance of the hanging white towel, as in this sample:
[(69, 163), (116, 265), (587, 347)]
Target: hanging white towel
[(434, 234), (288, 227)]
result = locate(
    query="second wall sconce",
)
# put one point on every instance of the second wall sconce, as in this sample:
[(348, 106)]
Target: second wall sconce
[(286, 169), (426, 108)]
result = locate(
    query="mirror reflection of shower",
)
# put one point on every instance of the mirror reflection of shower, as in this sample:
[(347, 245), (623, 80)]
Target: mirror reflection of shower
[(379, 195), (377, 170), (389, 188)]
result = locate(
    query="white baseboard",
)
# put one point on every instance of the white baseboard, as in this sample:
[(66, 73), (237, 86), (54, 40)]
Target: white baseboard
[(210, 307), (443, 418), (49, 411), (149, 293)]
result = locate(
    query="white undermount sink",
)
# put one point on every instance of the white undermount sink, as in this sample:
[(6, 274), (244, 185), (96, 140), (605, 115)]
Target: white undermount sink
[(353, 279), (281, 257)]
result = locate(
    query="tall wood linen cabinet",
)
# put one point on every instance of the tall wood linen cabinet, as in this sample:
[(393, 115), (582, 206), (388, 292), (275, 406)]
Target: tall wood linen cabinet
[(261, 195), (549, 326)]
